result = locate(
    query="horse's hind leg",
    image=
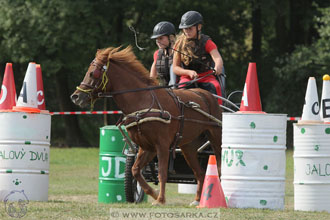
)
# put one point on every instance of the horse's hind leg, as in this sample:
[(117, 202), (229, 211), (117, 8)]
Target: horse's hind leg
[(190, 154), (143, 158)]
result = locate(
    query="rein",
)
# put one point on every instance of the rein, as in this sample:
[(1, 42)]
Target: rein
[(109, 94)]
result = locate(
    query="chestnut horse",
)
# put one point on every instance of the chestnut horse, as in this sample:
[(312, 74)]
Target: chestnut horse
[(158, 117)]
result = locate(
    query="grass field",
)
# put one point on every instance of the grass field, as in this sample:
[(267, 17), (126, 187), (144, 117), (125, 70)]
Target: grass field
[(73, 189)]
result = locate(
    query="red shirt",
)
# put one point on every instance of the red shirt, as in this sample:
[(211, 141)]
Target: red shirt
[(156, 55), (210, 45)]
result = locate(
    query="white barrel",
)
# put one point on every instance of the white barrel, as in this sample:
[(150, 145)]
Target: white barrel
[(24, 154), (253, 160), (187, 188), (311, 167)]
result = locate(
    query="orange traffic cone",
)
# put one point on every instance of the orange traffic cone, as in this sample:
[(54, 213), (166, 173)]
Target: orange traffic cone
[(27, 100), (212, 193), (8, 90), (251, 98), (40, 89)]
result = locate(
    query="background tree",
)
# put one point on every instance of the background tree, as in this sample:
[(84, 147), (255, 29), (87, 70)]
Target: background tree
[(293, 70), (283, 36)]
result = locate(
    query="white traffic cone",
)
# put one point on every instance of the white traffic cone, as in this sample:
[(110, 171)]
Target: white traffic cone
[(27, 100), (325, 99), (311, 110)]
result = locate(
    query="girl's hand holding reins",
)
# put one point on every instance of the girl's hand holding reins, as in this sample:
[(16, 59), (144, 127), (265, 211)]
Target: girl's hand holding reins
[(192, 74), (217, 70)]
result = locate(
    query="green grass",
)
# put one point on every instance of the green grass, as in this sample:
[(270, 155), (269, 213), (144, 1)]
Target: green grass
[(73, 189)]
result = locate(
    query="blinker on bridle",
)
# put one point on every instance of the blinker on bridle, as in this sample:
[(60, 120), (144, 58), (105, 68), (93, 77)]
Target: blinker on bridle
[(96, 76)]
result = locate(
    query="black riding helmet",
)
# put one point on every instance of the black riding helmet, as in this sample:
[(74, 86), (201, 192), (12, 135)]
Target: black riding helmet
[(163, 28), (190, 18)]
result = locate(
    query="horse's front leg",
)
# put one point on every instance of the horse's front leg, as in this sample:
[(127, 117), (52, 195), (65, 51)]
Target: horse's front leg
[(143, 158), (163, 156)]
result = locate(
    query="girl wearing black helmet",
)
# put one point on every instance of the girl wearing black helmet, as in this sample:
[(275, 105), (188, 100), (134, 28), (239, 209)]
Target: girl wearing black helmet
[(164, 33), (198, 56)]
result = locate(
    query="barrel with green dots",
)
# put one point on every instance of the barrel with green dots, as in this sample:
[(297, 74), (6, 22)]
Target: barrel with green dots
[(253, 160), (24, 154), (111, 165), (311, 167)]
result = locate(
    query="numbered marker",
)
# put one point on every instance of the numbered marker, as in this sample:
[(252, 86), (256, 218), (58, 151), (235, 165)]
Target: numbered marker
[(24, 93), (40, 95), (106, 173), (4, 94), (245, 96), (208, 190)]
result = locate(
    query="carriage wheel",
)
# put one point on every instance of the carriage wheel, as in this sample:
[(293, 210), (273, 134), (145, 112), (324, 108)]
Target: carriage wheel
[(133, 190)]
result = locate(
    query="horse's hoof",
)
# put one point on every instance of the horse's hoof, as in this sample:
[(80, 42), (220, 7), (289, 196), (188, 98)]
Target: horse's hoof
[(157, 203), (194, 203)]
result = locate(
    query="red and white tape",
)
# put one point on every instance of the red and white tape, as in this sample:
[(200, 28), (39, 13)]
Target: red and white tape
[(87, 113), (293, 118)]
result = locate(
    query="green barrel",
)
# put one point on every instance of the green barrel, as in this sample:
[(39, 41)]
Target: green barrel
[(111, 165)]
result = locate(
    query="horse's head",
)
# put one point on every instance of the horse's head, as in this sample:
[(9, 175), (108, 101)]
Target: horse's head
[(94, 82), (130, 74)]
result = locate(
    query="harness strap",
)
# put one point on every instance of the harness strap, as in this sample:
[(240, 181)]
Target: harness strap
[(181, 121), (197, 108), (157, 101), (181, 118), (146, 115), (127, 141)]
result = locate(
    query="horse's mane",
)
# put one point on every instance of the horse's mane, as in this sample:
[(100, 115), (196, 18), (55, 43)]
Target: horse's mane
[(128, 58)]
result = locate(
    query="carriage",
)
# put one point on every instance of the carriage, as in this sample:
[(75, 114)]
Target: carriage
[(178, 169), (157, 120)]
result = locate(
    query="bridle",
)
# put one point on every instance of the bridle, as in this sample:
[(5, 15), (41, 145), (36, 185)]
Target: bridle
[(99, 80)]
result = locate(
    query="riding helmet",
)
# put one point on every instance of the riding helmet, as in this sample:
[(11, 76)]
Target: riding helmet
[(190, 18), (163, 28)]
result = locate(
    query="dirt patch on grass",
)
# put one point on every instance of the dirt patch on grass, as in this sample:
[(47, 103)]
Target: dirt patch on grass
[(74, 198)]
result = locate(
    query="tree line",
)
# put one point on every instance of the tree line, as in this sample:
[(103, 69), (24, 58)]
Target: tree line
[(288, 39)]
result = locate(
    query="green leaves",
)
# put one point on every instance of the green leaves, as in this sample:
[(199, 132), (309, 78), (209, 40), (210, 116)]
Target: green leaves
[(293, 70)]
